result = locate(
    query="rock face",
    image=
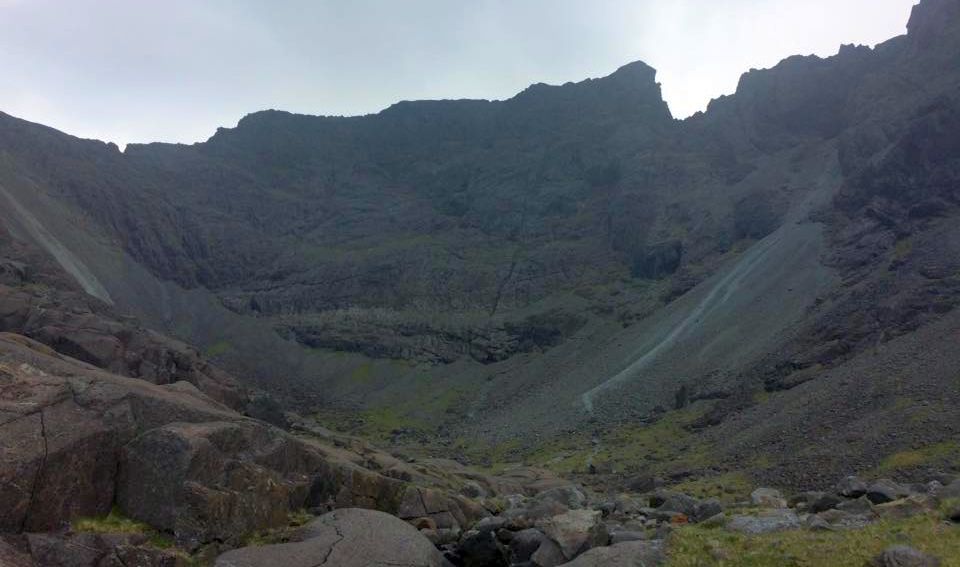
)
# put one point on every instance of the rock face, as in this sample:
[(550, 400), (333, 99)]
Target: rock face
[(345, 538), (75, 439)]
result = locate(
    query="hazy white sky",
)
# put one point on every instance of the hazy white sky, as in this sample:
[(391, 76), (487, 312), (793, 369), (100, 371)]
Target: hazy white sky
[(175, 70)]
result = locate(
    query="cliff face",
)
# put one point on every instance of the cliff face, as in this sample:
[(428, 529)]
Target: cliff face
[(546, 244)]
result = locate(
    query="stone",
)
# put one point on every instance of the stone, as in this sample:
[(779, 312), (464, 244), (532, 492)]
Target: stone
[(904, 556), (818, 523), (575, 531), (65, 549), (524, 544), (627, 554), (706, 509), (548, 554), (350, 537), (841, 519), (669, 501), (768, 498), (950, 491), (765, 522), (860, 505), (439, 537), (641, 483), (886, 490), (825, 502), (193, 480), (490, 524), (10, 556), (621, 536), (851, 487), (904, 507), (481, 549), (569, 496)]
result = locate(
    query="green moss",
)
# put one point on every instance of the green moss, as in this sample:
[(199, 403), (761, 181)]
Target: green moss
[(694, 546), (282, 534), (902, 248), (666, 443), (218, 348), (113, 523), (728, 487), (940, 453), (117, 523), (362, 374)]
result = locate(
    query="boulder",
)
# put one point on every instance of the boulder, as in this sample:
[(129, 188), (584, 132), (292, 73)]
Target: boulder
[(904, 507), (10, 556), (851, 487), (210, 481), (667, 500), (766, 521), (706, 509), (64, 549), (548, 554), (569, 496), (524, 544), (768, 498), (575, 531), (481, 549), (846, 520), (627, 554), (346, 538), (949, 492), (825, 502), (621, 536), (904, 556), (860, 506), (886, 490)]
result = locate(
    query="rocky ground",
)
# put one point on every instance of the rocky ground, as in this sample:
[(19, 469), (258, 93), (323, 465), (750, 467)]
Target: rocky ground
[(103, 470)]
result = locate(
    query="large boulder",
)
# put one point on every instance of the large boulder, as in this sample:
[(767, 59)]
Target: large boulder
[(886, 490), (766, 521), (904, 556), (99, 550), (346, 538), (627, 554), (575, 531), (768, 498), (75, 439), (213, 481)]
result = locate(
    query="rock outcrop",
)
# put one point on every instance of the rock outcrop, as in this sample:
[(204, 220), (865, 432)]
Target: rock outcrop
[(344, 538)]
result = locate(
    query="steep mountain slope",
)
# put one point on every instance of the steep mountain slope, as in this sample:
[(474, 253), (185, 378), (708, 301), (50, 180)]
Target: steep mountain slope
[(559, 265)]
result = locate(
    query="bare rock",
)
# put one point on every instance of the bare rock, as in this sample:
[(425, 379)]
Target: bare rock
[(768, 498), (903, 556), (575, 531), (627, 554), (346, 538)]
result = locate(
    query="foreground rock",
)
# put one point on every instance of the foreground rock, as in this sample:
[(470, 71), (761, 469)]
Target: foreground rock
[(627, 554), (903, 556), (74, 440), (344, 538)]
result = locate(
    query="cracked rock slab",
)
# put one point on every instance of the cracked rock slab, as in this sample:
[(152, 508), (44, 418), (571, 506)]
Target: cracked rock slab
[(350, 537)]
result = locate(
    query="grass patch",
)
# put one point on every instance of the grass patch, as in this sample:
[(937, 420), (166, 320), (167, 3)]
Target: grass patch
[(117, 523), (295, 520), (218, 348), (939, 453), (694, 546), (666, 443), (727, 487)]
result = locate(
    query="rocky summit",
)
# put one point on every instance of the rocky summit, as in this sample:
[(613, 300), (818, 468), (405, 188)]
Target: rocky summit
[(563, 328)]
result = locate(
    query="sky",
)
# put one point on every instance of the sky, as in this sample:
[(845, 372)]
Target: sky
[(175, 70)]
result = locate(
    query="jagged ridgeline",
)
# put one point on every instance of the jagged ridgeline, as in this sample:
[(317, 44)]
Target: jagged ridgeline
[(571, 279)]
